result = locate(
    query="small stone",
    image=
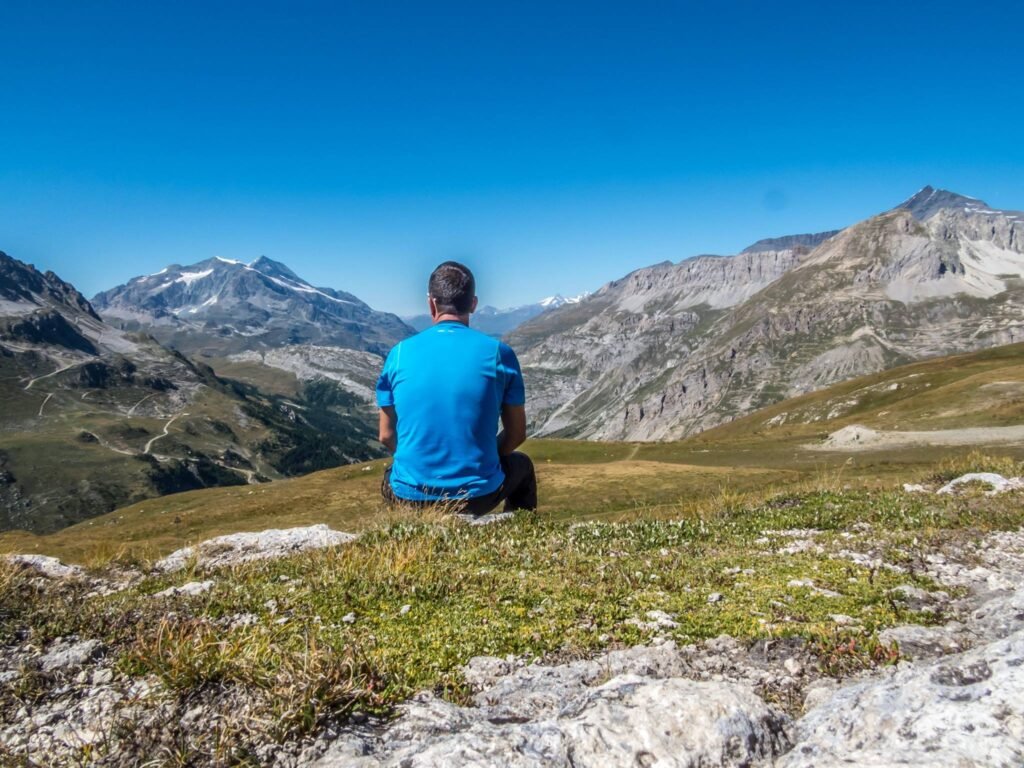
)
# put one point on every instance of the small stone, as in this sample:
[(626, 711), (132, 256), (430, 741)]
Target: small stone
[(662, 620), (404, 609), (793, 667), (715, 597), (191, 589), (102, 676), (349, 618), (69, 655)]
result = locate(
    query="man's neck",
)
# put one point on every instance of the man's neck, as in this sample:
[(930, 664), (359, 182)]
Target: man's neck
[(464, 319)]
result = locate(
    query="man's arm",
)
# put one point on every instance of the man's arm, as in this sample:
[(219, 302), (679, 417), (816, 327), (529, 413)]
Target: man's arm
[(513, 433), (386, 431)]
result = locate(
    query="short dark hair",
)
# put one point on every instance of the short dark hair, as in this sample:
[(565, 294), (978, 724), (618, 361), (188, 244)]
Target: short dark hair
[(452, 287)]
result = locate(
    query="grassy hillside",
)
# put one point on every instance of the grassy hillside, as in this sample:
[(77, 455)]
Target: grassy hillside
[(764, 453), (94, 437), (980, 389)]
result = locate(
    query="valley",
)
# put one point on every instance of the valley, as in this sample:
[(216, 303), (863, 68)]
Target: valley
[(783, 448), (224, 373), (95, 417)]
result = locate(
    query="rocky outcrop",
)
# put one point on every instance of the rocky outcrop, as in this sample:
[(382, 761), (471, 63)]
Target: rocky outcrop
[(962, 710), (952, 699), (573, 715), (237, 548), (49, 567), (706, 705)]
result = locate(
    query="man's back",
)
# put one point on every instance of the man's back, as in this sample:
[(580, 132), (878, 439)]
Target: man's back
[(447, 385)]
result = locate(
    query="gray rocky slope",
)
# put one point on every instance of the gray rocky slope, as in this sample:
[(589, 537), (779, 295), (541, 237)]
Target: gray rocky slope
[(220, 306), (672, 349)]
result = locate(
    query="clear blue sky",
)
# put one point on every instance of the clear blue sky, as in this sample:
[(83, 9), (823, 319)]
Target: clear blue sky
[(552, 146)]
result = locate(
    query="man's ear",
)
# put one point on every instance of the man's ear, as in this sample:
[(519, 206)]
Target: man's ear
[(432, 306), (472, 308)]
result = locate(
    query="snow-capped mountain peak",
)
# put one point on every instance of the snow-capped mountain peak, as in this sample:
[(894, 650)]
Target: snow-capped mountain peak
[(227, 305), (558, 300)]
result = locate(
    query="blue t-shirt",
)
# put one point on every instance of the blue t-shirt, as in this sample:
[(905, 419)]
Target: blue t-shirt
[(447, 385)]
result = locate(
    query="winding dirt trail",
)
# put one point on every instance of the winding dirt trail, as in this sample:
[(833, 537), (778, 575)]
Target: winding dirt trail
[(67, 367), (132, 409), (167, 428)]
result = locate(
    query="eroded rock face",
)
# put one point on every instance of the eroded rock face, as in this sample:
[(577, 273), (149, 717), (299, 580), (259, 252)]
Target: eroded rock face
[(674, 349), (628, 721), (962, 710), (246, 547)]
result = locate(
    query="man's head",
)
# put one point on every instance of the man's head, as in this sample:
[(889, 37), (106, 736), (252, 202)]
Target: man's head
[(451, 290)]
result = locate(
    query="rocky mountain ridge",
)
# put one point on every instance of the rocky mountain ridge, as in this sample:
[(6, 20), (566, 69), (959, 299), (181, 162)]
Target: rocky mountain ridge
[(676, 348), (221, 306)]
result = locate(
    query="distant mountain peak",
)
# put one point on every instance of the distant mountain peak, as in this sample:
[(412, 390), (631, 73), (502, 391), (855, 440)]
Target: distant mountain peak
[(558, 300), (274, 269), (225, 306), (929, 201)]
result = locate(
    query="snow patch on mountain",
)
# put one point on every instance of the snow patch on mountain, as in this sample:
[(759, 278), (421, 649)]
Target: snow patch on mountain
[(190, 277)]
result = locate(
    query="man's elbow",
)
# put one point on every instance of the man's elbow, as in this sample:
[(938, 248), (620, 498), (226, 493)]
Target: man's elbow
[(517, 438)]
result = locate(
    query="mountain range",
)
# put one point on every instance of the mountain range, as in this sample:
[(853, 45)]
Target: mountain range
[(222, 373), (498, 322), (673, 349), (95, 417)]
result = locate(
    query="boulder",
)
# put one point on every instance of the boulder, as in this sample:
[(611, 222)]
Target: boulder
[(996, 482)]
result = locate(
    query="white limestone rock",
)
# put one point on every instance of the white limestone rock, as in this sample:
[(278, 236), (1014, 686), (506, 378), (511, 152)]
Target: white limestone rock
[(996, 482), (69, 654), (49, 567), (961, 710), (238, 548), (628, 721), (191, 589)]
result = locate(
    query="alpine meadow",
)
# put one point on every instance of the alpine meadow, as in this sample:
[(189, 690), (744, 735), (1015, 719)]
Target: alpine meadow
[(469, 386)]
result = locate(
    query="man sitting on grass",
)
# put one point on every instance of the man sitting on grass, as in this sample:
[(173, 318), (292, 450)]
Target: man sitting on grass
[(440, 394)]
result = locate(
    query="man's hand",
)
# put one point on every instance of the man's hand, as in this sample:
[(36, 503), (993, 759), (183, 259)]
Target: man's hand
[(386, 431), (513, 433)]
